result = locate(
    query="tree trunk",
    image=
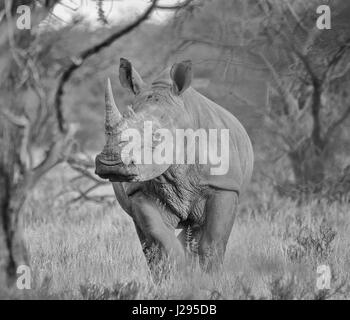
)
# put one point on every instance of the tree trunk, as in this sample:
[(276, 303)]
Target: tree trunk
[(13, 193), (308, 164), (13, 252), (4, 250)]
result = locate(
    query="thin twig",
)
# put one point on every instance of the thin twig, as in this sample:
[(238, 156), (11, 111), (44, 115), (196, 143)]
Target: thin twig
[(178, 6), (78, 61)]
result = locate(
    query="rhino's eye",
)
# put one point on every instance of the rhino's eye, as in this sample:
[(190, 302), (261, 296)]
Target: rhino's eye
[(149, 97)]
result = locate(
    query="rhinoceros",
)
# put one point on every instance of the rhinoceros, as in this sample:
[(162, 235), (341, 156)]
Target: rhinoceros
[(161, 198)]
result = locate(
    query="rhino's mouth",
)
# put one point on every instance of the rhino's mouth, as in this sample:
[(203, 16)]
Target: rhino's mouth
[(119, 177), (110, 163), (115, 171)]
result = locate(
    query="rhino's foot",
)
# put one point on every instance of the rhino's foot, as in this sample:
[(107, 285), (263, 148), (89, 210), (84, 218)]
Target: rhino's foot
[(211, 257)]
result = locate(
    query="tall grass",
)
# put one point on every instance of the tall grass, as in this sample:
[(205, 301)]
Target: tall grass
[(88, 251)]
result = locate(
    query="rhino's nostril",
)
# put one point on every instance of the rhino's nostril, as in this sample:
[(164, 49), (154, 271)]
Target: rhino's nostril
[(132, 162)]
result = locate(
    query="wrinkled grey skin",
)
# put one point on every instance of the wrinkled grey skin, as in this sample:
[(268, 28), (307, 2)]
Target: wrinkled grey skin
[(161, 199)]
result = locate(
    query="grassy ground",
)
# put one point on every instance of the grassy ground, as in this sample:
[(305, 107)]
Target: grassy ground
[(92, 252)]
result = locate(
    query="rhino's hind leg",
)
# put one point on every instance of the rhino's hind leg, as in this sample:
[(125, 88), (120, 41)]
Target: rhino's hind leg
[(157, 238), (220, 211)]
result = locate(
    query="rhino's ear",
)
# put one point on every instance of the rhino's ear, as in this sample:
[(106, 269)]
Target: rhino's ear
[(128, 76), (181, 74)]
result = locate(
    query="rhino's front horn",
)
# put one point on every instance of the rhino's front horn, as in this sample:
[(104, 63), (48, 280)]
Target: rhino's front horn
[(113, 116)]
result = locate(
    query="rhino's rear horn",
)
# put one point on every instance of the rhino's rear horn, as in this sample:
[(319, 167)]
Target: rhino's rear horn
[(113, 116)]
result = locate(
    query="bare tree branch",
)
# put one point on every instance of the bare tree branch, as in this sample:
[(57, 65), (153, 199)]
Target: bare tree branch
[(85, 195), (83, 167), (178, 6), (77, 62), (336, 124), (23, 123), (243, 100), (217, 44), (288, 98), (296, 17), (57, 153), (334, 61), (342, 72)]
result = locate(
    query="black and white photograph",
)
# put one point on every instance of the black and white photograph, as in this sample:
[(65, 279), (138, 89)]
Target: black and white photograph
[(177, 154)]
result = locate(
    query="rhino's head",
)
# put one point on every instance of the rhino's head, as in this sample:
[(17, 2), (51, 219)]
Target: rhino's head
[(160, 104)]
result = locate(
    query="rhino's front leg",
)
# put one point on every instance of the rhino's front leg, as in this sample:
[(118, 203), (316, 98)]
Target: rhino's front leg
[(153, 232), (220, 214), (150, 248)]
